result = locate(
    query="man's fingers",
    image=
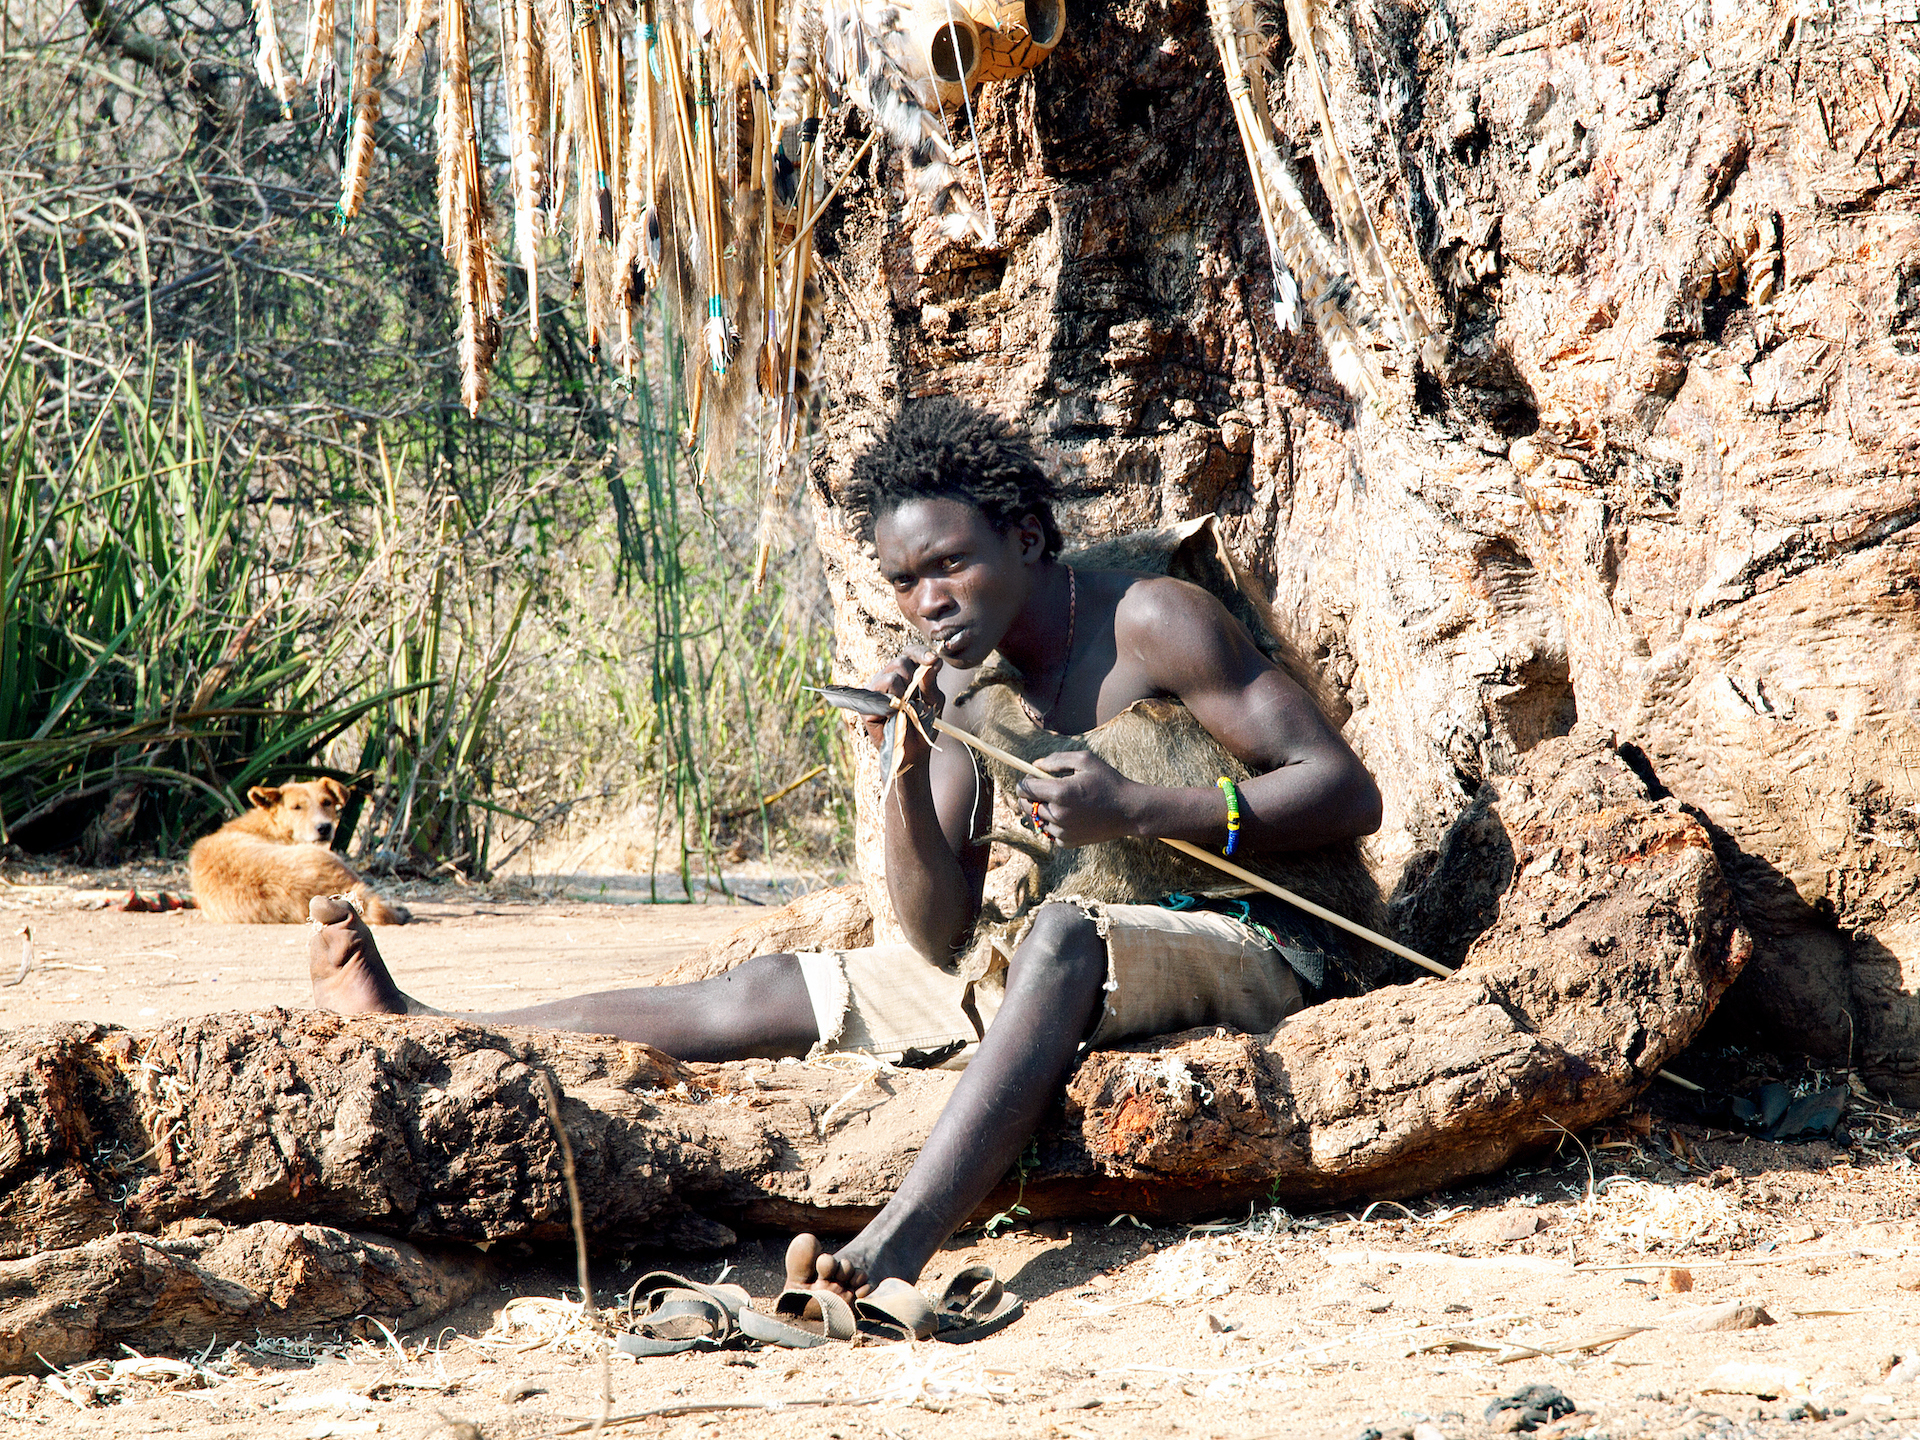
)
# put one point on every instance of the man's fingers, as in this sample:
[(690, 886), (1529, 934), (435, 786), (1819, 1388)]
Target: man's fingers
[(1043, 791), (1063, 762)]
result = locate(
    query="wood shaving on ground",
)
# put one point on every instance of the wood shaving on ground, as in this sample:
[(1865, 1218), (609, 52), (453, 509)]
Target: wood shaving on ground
[(534, 1322), (870, 1069), (108, 1382), (1639, 1215), (1194, 1270)]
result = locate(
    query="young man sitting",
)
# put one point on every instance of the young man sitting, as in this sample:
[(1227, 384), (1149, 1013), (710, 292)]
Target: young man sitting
[(961, 520)]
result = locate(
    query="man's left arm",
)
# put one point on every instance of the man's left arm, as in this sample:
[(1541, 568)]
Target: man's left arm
[(1308, 787)]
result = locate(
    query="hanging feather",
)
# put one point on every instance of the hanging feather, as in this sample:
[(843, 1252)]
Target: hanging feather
[(796, 77), (464, 212), (719, 332), (725, 26), (794, 421), (630, 266), (795, 414), (562, 140), (321, 70), (368, 63), (407, 48), (647, 152), (269, 63), (893, 88), (526, 144)]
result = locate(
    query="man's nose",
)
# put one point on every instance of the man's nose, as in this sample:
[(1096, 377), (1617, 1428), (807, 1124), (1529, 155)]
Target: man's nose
[(932, 600)]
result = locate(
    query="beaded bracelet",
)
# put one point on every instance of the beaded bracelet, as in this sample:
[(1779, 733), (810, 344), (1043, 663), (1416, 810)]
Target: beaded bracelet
[(1233, 812)]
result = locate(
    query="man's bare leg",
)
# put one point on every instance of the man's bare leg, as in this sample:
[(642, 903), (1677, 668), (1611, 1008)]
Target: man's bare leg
[(760, 1008), (1054, 986)]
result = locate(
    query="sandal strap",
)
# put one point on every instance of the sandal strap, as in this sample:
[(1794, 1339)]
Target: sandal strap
[(789, 1326), (672, 1307), (897, 1311), (974, 1293)]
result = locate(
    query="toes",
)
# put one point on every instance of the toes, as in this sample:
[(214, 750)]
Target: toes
[(835, 1274), (802, 1255), (328, 910)]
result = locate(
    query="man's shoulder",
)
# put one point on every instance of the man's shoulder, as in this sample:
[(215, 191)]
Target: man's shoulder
[(1150, 604)]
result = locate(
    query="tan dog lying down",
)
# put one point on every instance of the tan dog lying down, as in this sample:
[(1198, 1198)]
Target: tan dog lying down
[(264, 867)]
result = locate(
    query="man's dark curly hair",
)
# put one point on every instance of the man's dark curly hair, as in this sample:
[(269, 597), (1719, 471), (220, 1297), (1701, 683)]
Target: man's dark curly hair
[(943, 448)]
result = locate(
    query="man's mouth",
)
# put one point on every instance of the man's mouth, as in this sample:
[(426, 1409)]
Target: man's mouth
[(951, 642)]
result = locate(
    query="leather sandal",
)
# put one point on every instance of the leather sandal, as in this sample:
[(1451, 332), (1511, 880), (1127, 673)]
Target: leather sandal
[(975, 1305), (674, 1315), (801, 1319)]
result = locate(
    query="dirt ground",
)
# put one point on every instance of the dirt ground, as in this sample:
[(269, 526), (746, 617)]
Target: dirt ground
[(1635, 1271)]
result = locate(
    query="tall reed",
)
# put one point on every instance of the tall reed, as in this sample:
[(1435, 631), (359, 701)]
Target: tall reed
[(155, 659)]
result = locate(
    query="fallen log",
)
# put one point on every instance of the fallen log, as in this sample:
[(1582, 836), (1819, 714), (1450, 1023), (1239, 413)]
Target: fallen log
[(1611, 946), (175, 1293)]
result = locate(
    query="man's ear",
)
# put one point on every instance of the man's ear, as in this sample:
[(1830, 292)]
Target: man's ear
[(334, 790), (264, 797), (1033, 539)]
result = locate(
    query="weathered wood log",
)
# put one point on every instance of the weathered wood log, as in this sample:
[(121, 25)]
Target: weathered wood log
[(1613, 942), (177, 1292)]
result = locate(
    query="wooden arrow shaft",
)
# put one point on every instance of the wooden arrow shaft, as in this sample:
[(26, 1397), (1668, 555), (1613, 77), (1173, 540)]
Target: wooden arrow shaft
[(1220, 862)]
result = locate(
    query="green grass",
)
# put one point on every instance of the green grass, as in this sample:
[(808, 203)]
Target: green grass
[(178, 627), (155, 661)]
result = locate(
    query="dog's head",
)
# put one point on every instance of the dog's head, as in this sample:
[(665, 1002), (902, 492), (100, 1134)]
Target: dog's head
[(306, 812)]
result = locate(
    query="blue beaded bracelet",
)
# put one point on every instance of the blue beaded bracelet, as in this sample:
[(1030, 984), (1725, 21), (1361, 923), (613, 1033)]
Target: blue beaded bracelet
[(1233, 813)]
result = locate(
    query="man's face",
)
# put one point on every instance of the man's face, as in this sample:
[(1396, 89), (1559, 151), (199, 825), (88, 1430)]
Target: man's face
[(958, 581)]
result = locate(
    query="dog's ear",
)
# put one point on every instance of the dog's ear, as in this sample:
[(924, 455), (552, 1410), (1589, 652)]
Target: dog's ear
[(264, 797), (334, 790)]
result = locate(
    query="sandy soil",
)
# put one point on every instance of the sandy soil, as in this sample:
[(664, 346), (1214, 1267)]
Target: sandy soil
[(465, 950), (1402, 1321)]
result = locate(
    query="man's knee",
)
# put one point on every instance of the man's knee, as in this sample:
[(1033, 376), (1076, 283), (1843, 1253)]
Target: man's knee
[(755, 987), (1062, 939)]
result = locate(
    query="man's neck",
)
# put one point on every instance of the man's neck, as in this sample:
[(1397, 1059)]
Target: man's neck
[(1038, 641)]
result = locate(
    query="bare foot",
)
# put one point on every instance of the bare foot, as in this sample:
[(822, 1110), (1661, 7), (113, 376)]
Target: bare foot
[(849, 1272), (348, 974)]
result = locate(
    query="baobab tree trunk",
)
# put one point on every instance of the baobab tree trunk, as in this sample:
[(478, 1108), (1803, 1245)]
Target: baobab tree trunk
[(1666, 479)]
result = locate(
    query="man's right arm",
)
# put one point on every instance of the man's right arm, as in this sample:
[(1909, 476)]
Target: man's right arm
[(937, 805)]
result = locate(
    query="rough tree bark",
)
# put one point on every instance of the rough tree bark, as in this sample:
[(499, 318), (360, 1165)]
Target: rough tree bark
[(1665, 480), (1615, 936), (175, 1292)]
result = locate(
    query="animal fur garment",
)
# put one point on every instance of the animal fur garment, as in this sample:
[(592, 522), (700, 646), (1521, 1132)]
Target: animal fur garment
[(1156, 742)]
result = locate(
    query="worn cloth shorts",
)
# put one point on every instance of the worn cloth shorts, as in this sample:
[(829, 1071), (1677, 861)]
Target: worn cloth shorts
[(1167, 970)]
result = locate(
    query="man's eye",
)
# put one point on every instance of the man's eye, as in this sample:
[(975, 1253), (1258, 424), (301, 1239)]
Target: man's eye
[(953, 563)]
